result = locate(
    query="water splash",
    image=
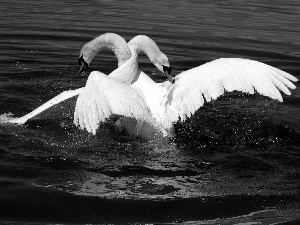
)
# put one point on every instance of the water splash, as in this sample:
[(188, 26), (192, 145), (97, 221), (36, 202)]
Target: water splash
[(5, 117)]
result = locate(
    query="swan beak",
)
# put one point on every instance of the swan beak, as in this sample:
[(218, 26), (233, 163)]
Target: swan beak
[(83, 65), (167, 72)]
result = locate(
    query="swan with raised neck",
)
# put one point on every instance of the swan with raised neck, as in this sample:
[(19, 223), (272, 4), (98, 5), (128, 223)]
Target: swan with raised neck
[(142, 43), (129, 72), (108, 40)]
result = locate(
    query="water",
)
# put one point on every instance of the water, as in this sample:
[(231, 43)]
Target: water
[(236, 161)]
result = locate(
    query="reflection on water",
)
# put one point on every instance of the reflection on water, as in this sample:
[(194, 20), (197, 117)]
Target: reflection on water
[(236, 156)]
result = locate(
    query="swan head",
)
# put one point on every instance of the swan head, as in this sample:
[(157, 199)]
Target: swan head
[(83, 65), (110, 41), (162, 63), (167, 71), (147, 45)]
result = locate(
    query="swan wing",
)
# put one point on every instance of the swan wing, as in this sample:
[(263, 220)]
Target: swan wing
[(209, 81), (55, 107), (104, 96)]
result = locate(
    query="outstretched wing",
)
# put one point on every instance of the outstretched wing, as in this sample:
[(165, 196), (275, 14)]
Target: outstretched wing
[(60, 105), (104, 96), (209, 81)]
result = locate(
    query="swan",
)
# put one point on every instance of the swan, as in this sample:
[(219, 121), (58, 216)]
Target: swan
[(106, 96), (119, 78), (148, 106), (169, 102), (110, 41)]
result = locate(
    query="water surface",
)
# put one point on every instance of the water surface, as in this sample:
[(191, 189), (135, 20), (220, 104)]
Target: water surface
[(236, 160)]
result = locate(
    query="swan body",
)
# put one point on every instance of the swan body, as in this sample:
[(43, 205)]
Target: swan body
[(154, 95)]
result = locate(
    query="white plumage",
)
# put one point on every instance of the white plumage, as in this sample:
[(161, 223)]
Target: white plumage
[(124, 92), (209, 81), (103, 97), (155, 107), (168, 103)]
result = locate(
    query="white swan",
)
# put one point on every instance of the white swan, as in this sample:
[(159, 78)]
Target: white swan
[(149, 107), (170, 102), (63, 101), (123, 76), (104, 96)]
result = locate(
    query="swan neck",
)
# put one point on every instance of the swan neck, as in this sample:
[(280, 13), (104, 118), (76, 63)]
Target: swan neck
[(146, 45), (110, 41)]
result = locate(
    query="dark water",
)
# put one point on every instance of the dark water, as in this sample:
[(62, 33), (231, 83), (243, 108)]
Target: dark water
[(236, 161)]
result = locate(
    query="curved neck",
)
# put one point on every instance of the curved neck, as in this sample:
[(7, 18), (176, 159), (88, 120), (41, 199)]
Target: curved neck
[(142, 43), (109, 40)]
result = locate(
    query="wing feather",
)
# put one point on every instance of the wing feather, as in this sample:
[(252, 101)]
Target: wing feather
[(209, 81), (104, 96), (52, 108)]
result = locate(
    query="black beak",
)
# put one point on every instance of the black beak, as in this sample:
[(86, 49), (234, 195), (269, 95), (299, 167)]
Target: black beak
[(167, 72), (83, 65)]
